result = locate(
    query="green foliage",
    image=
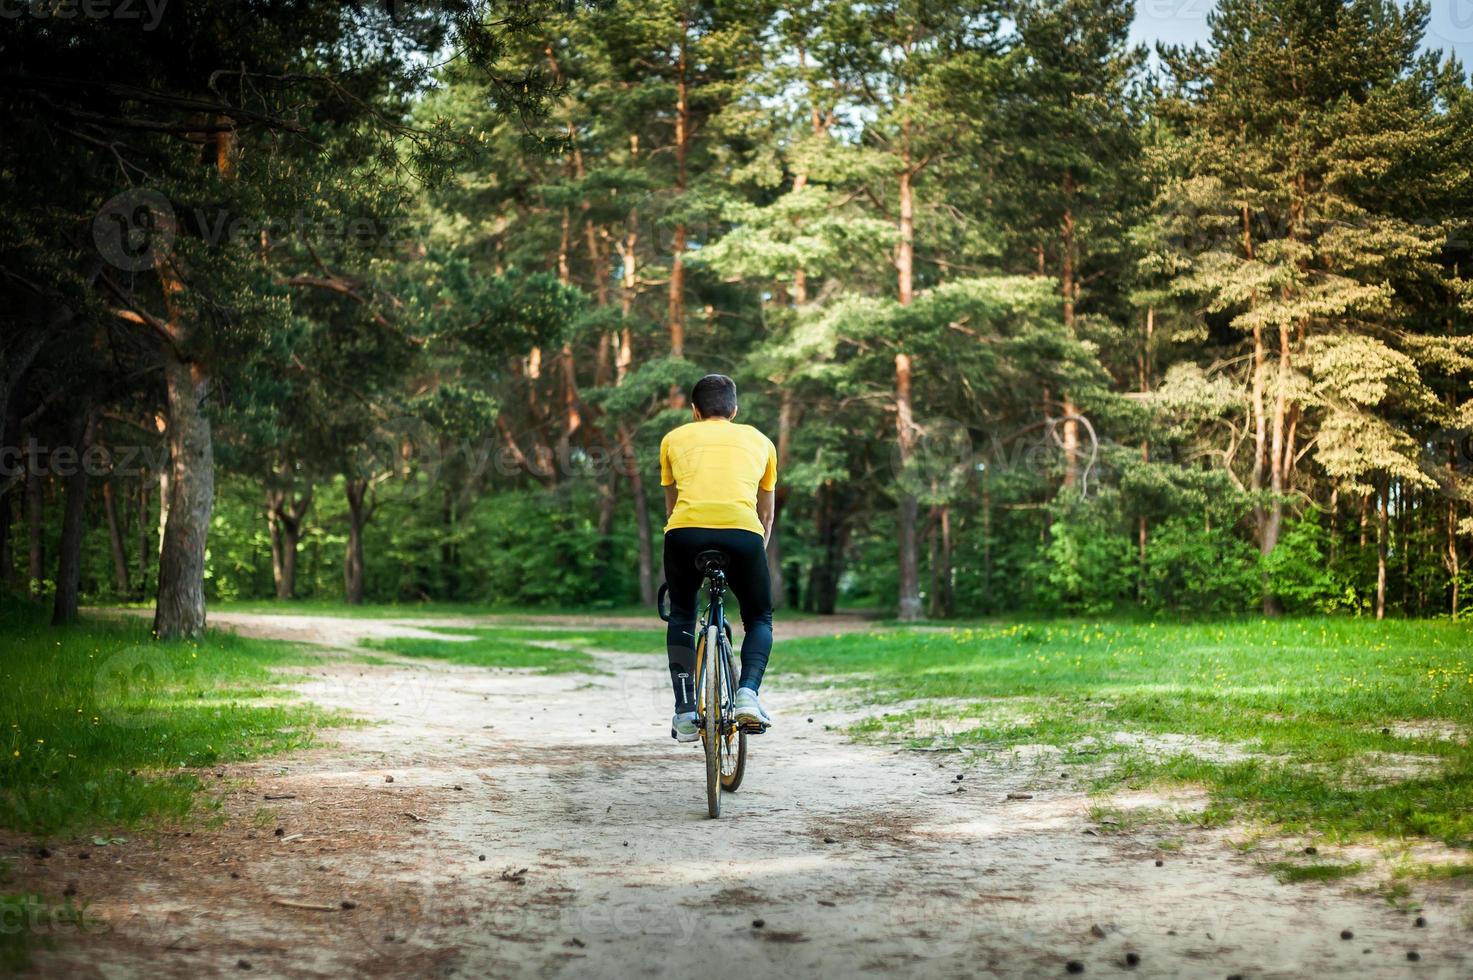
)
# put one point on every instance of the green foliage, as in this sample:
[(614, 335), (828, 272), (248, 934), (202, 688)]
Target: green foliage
[(1248, 282), (543, 547), (1087, 567), (1299, 573), (1191, 569), (105, 727)]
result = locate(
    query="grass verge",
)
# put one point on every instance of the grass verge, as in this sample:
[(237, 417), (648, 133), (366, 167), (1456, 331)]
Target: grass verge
[(1336, 727), (101, 726), (548, 651), (1290, 873)]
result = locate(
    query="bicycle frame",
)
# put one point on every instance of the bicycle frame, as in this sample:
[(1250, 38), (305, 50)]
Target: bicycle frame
[(714, 615)]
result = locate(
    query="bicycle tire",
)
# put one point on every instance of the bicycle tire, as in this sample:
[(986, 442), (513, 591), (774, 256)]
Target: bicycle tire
[(712, 729), (734, 759)]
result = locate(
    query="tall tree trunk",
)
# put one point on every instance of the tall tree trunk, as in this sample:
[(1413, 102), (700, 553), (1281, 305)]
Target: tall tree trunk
[(1142, 531), (948, 569), (1334, 508), (1403, 543), (1279, 446), (909, 600), (623, 362), (7, 554), (1069, 287), (608, 502), (1272, 521), (180, 612), (35, 524), (933, 565), (909, 568), (143, 541), (1454, 560), (628, 281), (832, 534), (1382, 531), (820, 525), (780, 497), (1451, 558), (115, 538), (286, 512), (360, 512), (180, 609), (678, 243), (905, 247), (9, 430), (608, 488), (939, 547), (641, 517), (164, 498), (1259, 476), (988, 604), (273, 535), (449, 552), (284, 542), (74, 509)]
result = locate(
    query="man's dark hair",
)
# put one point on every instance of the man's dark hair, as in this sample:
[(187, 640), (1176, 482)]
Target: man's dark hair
[(714, 396)]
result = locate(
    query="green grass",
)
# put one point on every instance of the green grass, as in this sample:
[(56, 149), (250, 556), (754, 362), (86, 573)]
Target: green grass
[(1290, 873), (548, 651), (1443, 872), (102, 727), (608, 640), (1295, 722)]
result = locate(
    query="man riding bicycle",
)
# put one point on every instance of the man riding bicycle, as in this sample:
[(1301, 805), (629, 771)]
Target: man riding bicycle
[(718, 478)]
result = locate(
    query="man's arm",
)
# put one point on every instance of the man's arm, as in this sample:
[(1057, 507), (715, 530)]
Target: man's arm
[(765, 511), (667, 477)]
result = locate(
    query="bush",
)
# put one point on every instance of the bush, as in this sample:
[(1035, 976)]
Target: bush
[(1298, 572), (1091, 566), (533, 547), (1192, 569)]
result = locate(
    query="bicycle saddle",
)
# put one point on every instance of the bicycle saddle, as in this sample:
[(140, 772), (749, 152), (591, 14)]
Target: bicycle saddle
[(711, 558)]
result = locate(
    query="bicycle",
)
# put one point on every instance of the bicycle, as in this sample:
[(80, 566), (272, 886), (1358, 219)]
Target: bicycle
[(724, 741)]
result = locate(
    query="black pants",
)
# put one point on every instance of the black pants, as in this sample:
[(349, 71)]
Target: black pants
[(746, 574)]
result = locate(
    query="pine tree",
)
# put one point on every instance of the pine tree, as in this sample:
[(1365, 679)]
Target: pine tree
[(1295, 128)]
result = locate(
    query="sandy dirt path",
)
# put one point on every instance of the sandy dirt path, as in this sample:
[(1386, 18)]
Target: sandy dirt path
[(498, 823)]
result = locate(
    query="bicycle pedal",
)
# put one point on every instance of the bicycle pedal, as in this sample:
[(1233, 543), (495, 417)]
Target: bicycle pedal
[(753, 729)]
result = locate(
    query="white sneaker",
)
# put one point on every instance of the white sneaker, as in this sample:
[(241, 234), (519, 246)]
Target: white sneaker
[(748, 709), (683, 727)]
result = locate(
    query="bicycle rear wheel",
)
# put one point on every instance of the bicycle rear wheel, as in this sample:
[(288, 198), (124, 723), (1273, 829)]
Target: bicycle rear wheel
[(733, 739), (711, 729)]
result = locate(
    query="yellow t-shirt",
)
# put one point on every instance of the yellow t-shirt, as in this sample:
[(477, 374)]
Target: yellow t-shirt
[(717, 467)]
